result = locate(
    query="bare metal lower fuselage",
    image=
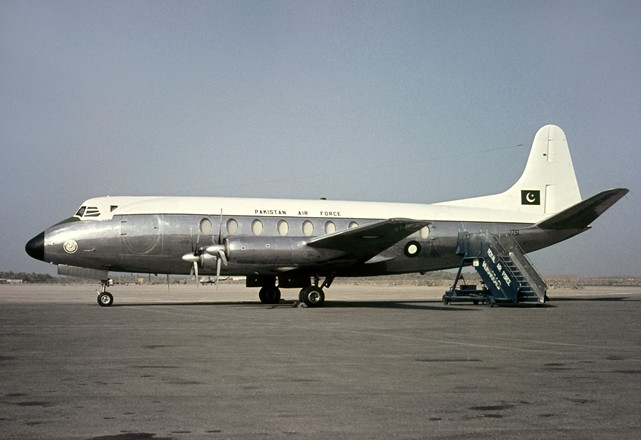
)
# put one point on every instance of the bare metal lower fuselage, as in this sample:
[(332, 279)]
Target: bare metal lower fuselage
[(155, 243)]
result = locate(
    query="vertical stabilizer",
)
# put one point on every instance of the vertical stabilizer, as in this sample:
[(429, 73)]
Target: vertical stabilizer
[(547, 186), (549, 171)]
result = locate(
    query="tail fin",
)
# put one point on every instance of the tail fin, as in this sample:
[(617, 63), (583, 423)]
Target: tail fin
[(549, 171), (547, 186)]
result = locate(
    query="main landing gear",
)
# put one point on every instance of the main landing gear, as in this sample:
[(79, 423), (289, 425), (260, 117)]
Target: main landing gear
[(269, 295), (311, 295), (105, 299), (314, 296)]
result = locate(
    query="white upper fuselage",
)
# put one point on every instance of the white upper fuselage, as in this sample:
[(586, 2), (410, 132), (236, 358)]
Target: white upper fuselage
[(547, 186), (104, 208)]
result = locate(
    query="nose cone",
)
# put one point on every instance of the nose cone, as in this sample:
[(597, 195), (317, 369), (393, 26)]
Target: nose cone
[(36, 247)]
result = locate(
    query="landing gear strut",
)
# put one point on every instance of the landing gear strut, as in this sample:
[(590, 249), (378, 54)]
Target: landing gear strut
[(105, 299), (314, 296)]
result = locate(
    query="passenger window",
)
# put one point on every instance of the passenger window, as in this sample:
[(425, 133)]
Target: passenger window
[(353, 225), (308, 228), (205, 226), (257, 227), (330, 228), (232, 226), (283, 228)]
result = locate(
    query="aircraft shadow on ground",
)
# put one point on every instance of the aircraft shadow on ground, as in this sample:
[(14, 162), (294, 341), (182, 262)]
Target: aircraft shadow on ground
[(593, 298), (381, 304)]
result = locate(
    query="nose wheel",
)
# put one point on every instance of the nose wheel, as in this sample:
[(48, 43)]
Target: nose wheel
[(105, 299)]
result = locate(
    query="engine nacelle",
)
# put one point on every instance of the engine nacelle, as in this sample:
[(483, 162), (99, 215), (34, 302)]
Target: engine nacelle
[(275, 250)]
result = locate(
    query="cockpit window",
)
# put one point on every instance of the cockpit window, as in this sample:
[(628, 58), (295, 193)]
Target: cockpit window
[(92, 211), (88, 211)]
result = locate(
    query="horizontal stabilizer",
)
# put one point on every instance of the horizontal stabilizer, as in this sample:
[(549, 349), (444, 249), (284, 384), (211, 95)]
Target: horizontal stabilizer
[(366, 241), (581, 215)]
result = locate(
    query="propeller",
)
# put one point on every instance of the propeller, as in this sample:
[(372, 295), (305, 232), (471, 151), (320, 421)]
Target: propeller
[(195, 259), (198, 255), (195, 256), (218, 250)]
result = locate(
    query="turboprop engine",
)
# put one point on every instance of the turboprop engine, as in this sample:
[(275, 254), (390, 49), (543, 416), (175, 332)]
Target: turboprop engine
[(280, 250)]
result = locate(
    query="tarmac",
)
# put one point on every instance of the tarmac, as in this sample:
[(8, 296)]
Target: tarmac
[(375, 363)]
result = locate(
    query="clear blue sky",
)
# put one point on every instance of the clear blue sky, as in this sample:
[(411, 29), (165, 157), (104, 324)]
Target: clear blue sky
[(387, 101)]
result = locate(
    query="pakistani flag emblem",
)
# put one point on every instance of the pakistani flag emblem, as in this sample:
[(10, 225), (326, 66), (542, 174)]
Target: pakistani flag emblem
[(530, 197)]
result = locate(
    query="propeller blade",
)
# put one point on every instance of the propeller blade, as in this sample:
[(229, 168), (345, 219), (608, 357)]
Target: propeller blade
[(223, 257), (218, 264), (196, 273), (195, 260)]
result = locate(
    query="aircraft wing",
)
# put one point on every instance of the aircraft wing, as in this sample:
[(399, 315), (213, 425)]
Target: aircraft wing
[(366, 241), (583, 213)]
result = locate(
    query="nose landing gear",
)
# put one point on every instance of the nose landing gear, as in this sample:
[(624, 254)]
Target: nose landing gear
[(105, 299)]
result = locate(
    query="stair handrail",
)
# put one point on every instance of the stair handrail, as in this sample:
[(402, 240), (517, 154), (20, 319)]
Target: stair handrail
[(528, 269)]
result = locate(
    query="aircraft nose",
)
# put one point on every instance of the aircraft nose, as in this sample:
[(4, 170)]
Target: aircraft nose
[(36, 247)]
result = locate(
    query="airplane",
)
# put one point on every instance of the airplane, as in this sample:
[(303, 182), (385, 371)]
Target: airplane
[(287, 243)]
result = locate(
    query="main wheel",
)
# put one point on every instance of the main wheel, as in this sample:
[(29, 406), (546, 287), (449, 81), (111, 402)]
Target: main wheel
[(312, 296), (269, 295), (105, 299)]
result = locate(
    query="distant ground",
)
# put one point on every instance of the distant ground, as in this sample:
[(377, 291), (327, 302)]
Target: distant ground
[(149, 294), (438, 278)]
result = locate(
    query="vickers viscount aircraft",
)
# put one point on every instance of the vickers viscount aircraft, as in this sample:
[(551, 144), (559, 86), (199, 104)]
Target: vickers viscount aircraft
[(284, 243)]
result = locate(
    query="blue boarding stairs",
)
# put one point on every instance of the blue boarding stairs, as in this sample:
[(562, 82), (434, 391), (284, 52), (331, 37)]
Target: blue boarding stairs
[(508, 275)]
